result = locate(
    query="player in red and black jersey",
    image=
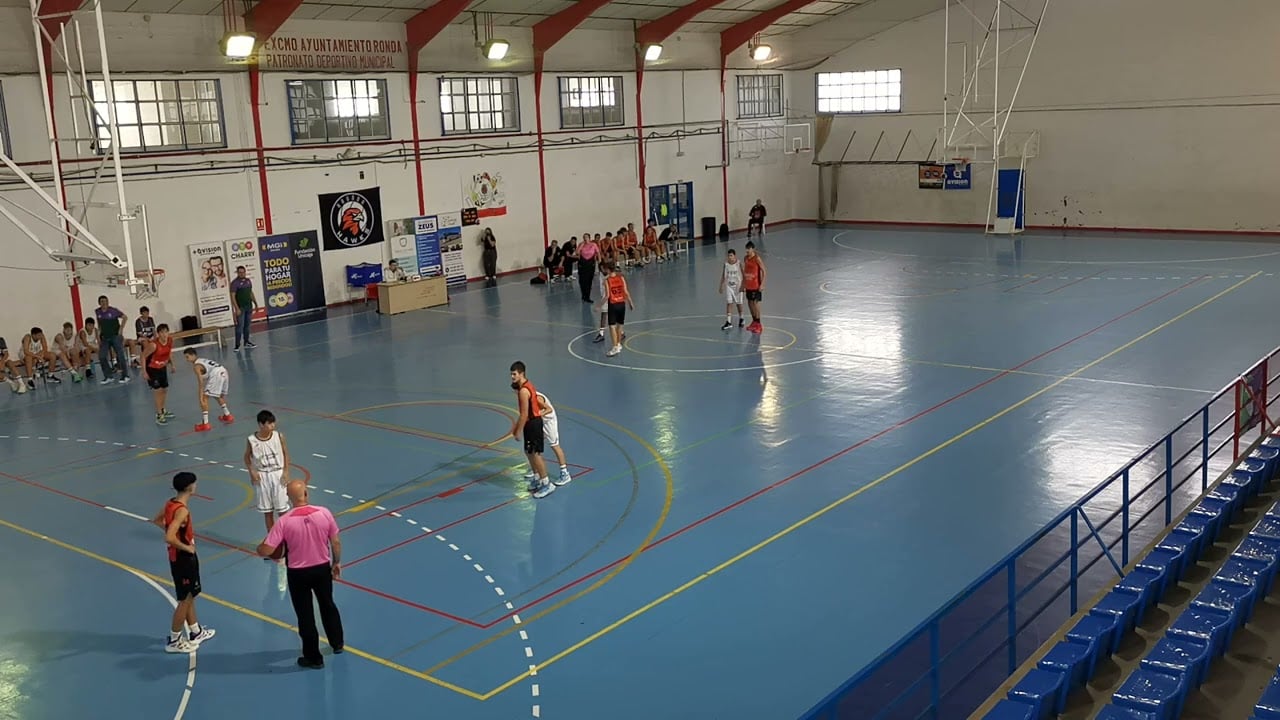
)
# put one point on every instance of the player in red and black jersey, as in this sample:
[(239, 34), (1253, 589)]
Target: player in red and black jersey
[(180, 534)]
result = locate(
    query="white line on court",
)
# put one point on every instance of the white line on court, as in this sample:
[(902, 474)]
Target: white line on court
[(126, 513), (191, 663)]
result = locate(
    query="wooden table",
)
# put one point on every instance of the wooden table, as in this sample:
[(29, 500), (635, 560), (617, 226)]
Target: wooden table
[(398, 297)]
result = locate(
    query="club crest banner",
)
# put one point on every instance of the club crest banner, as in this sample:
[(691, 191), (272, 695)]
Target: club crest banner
[(351, 219)]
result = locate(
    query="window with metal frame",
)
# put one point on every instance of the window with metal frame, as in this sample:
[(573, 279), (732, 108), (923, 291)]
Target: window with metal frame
[(338, 111), (5, 146), (160, 115), (591, 102), (759, 96), (479, 105), (867, 91)]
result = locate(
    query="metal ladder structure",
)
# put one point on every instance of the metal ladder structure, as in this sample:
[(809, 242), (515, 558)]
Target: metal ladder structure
[(81, 245), (975, 115)]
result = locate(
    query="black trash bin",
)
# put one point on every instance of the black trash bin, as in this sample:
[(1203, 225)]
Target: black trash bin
[(709, 228), (190, 322)]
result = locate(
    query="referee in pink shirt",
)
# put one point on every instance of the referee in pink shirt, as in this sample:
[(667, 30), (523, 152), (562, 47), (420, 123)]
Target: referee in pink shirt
[(313, 551)]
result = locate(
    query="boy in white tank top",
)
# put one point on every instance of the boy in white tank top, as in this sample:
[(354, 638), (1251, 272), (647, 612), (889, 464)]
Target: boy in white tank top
[(731, 287), (213, 381), (266, 456), (550, 433)]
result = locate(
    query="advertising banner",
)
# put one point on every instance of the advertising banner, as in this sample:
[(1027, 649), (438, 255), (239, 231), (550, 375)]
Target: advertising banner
[(244, 254), (351, 219), (291, 276), (450, 236), (209, 271)]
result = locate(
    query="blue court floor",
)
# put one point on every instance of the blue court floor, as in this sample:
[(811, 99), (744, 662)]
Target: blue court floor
[(753, 519)]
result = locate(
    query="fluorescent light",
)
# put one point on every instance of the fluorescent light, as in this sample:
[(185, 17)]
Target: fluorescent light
[(496, 49), (238, 46), (652, 52), (760, 53)]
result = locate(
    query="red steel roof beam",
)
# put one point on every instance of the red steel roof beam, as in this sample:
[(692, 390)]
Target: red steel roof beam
[(732, 38), (58, 8), (656, 31), (265, 18), (423, 27), (551, 30)]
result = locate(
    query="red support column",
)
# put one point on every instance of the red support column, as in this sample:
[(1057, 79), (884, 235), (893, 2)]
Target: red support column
[(546, 33)]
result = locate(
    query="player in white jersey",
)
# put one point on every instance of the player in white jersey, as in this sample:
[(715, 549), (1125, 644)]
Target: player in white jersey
[(551, 434), (212, 381), (266, 456), (87, 342), (64, 347), (731, 287)]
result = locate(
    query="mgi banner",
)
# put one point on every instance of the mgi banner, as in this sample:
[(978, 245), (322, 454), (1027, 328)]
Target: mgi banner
[(209, 270), (351, 219), (292, 281), (244, 253)]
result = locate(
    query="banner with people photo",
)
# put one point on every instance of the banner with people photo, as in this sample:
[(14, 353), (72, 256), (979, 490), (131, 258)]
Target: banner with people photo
[(351, 219), (244, 254), (209, 273), (292, 279), (402, 244), (449, 232)]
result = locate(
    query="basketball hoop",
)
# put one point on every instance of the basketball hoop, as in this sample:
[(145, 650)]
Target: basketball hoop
[(960, 161), (146, 282)]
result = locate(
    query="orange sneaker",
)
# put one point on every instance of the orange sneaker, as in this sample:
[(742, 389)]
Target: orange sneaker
[(228, 418), (204, 427)]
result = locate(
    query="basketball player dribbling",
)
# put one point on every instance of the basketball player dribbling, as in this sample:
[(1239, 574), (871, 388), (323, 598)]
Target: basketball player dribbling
[(731, 288), (753, 283)]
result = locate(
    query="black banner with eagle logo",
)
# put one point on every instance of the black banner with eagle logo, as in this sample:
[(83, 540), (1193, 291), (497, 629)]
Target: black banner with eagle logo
[(351, 219)]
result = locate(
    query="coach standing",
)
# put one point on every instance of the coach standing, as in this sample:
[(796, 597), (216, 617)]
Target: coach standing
[(310, 535)]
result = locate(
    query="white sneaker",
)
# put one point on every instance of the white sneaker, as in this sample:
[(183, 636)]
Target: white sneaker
[(204, 634), (544, 490), (564, 478), (613, 351), (181, 645)]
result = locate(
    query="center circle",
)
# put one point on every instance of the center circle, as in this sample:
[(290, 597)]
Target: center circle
[(792, 340)]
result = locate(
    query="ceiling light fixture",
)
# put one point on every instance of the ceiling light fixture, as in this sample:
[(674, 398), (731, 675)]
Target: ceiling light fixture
[(652, 52), (760, 53), (239, 45), (496, 49)]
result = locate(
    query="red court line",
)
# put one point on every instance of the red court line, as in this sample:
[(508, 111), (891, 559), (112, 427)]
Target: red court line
[(55, 491), (444, 494), (409, 603), (847, 450), (95, 456), (1032, 281), (403, 431), (1073, 282), (434, 531)]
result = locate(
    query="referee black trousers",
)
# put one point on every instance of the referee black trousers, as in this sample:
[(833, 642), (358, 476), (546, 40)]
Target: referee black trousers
[(315, 582)]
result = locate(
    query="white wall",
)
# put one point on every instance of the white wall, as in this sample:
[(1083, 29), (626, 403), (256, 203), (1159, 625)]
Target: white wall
[(1152, 114), (592, 180)]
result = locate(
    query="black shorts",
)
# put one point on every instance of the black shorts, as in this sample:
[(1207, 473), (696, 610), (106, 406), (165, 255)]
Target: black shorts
[(617, 313), (158, 378), (533, 436), (186, 576), (754, 295)]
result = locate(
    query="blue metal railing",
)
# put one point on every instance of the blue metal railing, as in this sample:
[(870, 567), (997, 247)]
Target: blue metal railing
[(951, 663)]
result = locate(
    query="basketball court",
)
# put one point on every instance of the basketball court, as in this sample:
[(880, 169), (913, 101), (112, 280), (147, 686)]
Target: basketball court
[(769, 507)]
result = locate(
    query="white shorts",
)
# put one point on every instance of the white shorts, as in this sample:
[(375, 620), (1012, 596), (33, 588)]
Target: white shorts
[(551, 430), (217, 382), (732, 295), (271, 493)]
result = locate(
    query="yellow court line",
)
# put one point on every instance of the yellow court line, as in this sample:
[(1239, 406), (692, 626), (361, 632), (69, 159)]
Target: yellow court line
[(426, 483), (837, 503), (669, 482), (238, 608)]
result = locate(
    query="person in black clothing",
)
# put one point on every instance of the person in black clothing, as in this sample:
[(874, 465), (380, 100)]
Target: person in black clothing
[(489, 256), (756, 219)]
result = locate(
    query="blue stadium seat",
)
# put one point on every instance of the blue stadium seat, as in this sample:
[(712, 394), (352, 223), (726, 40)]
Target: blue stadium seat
[(1267, 527), (1225, 599), (1153, 692), (1249, 476), (1270, 456), (1146, 584), (1011, 710), (1171, 562), (1044, 690), (1274, 510), (1268, 706), (1234, 498), (1183, 546), (1204, 624), (1072, 660), (1216, 509), (1261, 550), (1179, 656), (1095, 634), (1244, 596), (1123, 607), (1249, 572), (1113, 712)]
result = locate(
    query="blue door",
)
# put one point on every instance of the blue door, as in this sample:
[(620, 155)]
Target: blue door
[(673, 205)]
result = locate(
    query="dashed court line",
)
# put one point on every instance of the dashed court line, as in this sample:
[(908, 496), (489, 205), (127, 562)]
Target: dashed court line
[(535, 689)]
